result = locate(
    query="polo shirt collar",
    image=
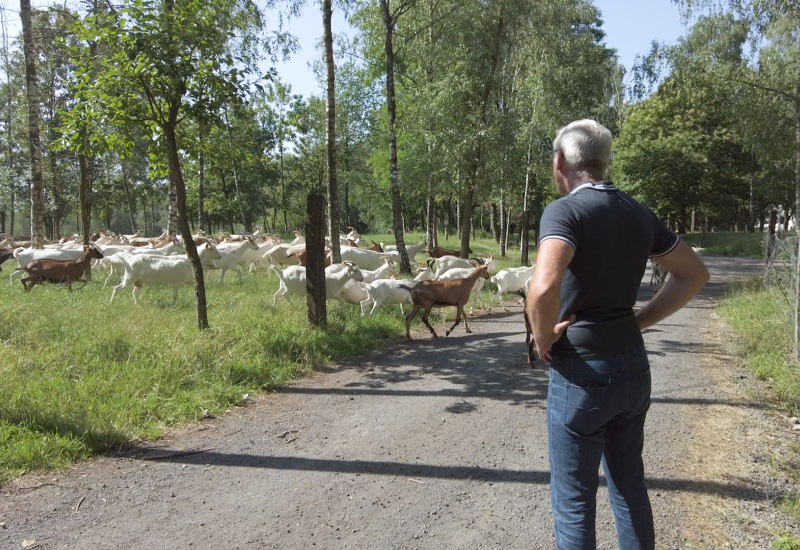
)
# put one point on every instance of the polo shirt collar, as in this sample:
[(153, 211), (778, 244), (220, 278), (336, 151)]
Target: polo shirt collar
[(600, 186)]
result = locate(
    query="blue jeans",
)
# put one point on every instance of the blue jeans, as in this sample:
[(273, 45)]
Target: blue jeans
[(595, 411)]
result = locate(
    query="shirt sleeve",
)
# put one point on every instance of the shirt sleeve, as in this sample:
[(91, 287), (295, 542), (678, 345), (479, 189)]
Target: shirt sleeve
[(664, 240), (559, 222)]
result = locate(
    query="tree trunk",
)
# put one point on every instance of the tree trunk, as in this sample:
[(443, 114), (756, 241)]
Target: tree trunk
[(508, 228), (796, 345), (430, 211), (245, 221), (84, 189), (226, 192), (466, 221), (330, 110), (397, 200), (129, 200), (493, 221), (447, 220), (176, 178), (503, 241), (32, 89), (9, 129), (201, 181), (315, 270), (173, 209)]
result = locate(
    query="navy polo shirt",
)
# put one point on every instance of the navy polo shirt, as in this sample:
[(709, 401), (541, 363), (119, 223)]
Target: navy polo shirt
[(613, 235)]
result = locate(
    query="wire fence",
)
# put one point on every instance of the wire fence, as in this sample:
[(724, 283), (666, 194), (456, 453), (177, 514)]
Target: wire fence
[(781, 273)]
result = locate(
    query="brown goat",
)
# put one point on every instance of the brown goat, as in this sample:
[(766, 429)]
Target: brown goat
[(5, 254), (56, 271), (438, 252), (455, 292), (302, 257), (375, 247)]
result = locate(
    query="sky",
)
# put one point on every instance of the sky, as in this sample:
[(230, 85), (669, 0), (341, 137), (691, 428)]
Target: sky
[(630, 26)]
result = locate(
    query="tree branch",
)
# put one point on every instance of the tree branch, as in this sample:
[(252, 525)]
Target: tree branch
[(787, 95)]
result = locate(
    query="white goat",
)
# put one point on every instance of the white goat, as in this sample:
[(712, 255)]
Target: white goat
[(510, 280), (367, 259), (298, 238), (383, 272), (392, 291), (657, 275), (445, 263), (355, 292), (281, 254), (412, 250), (293, 280), (231, 255), (116, 256), (175, 271)]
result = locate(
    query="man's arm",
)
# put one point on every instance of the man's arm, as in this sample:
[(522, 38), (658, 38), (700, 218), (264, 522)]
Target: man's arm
[(688, 274), (544, 294)]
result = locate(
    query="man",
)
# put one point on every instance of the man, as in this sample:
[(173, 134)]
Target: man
[(594, 245)]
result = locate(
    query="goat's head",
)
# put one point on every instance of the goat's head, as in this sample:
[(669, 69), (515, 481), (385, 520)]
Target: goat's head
[(483, 271), (93, 251), (353, 271)]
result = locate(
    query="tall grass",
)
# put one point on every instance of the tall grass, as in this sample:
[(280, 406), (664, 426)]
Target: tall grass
[(762, 319), (82, 375)]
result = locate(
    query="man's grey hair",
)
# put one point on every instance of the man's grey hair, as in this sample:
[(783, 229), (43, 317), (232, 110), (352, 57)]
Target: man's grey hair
[(586, 146)]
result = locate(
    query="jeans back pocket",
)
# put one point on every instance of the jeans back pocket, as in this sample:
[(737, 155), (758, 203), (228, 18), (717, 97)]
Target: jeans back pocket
[(588, 407)]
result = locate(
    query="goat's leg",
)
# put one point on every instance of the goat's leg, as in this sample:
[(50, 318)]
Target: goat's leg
[(465, 322), (365, 304), (499, 298), (410, 317), (137, 288), (478, 299), (110, 273), (281, 291), (116, 288), (458, 320), (425, 320), (25, 284)]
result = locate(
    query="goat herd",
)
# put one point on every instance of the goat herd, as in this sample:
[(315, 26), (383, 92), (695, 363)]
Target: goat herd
[(366, 276)]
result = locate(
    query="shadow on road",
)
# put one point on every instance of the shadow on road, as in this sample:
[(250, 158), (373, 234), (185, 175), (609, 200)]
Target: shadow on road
[(741, 489)]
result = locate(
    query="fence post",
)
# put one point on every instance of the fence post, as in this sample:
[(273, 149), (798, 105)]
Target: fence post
[(315, 270)]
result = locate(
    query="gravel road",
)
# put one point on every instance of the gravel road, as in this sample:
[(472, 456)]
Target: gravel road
[(433, 444)]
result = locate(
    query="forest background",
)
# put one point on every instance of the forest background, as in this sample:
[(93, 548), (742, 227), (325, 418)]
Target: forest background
[(706, 129)]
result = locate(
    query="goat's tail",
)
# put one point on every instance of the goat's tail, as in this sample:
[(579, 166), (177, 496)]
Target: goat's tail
[(493, 279), (408, 288)]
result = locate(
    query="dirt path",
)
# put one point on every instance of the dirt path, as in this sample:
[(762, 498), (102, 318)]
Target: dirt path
[(437, 444)]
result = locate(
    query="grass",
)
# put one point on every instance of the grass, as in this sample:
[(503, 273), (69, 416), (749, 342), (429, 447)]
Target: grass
[(82, 376), (762, 319), (750, 245)]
